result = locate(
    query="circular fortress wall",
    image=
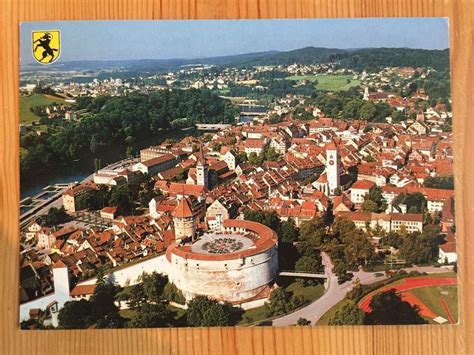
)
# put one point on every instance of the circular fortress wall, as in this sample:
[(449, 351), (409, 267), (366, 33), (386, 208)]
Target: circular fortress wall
[(234, 266)]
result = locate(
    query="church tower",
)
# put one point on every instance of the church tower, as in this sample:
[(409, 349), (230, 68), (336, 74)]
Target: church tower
[(333, 168), (366, 93), (184, 220), (202, 170)]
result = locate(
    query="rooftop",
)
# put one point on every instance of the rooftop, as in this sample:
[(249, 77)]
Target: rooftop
[(221, 244)]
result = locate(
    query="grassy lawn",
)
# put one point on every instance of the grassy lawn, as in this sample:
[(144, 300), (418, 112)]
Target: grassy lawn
[(253, 315), (223, 91), (35, 100), (178, 312), (441, 274), (310, 292), (130, 314), (431, 295), (324, 320), (328, 82), (127, 313)]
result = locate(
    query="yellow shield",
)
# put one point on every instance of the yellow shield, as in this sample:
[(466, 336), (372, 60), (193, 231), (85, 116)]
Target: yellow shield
[(46, 46)]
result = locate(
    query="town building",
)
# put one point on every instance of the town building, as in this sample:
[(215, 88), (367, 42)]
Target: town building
[(202, 170)]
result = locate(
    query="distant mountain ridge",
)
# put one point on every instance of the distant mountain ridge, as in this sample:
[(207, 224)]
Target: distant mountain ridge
[(359, 59), (156, 64)]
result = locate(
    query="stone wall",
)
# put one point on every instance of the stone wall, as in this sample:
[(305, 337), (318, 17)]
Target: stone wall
[(130, 275)]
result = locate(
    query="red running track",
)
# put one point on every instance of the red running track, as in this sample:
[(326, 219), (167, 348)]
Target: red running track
[(409, 284)]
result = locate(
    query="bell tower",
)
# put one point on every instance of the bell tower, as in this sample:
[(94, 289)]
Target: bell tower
[(333, 168), (202, 170)]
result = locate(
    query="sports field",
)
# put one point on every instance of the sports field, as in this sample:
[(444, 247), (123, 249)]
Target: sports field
[(26, 102), (435, 296), (443, 300), (328, 82)]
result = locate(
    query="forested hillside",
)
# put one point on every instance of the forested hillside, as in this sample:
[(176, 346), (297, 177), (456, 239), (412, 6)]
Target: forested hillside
[(120, 122)]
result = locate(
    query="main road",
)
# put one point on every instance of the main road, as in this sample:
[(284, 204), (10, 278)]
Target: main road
[(336, 292)]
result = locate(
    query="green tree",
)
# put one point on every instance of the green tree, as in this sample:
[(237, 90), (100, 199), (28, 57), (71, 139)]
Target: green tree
[(303, 322), (370, 206), (341, 269), (352, 108), (389, 308), (343, 227), (103, 299), (76, 315), (367, 111), (269, 219), (415, 202), (136, 296), (313, 232), (217, 315), (203, 311), (122, 197), (348, 314), (440, 182), (309, 264), (421, 248), (279, 303), (392, 239), (374, 195), (55, 216), (151, 316), (153, 286), (288, 232), (358, 248), (173, 294)]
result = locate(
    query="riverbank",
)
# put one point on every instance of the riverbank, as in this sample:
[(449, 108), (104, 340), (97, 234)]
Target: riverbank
[(78, 171)]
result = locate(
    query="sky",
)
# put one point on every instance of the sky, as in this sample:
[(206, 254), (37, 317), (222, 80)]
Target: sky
[(117, 40)]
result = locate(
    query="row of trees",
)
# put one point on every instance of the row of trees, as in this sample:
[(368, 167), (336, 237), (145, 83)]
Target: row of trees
[(349, 104), (148, 302)]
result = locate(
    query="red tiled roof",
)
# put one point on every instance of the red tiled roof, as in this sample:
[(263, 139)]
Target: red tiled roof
[(109, 209), (363, 184), (183, 210), (83, 290), (159, 160), (59, 265), (180, 188), (255, 143)]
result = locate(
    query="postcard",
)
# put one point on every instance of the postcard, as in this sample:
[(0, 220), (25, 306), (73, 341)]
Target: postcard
[(236, 173)]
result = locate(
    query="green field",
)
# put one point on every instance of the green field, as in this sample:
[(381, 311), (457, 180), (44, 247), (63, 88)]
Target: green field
[(26, 102), (253, 315), (310, 292), (328, 82), (431, 295)]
